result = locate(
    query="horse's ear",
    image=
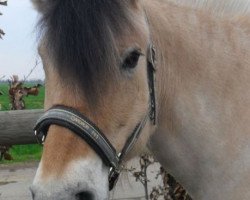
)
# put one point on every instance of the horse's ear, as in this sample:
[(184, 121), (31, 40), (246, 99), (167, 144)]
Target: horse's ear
[(40, 5)]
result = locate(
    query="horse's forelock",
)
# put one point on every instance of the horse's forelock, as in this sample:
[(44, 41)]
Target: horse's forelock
[(81, 37)]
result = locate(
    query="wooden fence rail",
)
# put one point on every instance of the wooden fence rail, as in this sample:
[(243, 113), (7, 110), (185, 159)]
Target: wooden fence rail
[(16, 127)]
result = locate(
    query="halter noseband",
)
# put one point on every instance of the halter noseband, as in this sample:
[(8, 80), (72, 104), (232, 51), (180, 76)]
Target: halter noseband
[(88, 131)]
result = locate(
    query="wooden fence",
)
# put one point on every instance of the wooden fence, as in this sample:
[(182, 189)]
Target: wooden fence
[(16, 127)]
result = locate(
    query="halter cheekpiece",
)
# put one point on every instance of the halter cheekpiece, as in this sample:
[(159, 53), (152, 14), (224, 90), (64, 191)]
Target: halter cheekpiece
[(80, 125)]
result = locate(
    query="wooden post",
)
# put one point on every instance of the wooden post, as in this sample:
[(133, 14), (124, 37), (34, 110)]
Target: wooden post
[(16, 127)]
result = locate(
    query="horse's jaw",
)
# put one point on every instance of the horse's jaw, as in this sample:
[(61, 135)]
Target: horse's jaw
[(81, 179)]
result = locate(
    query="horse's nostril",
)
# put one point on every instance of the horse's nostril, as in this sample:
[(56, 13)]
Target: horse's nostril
[(84, 196)]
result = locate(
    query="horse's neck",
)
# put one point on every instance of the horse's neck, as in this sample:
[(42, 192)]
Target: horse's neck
[(203, 94), (219, 8)]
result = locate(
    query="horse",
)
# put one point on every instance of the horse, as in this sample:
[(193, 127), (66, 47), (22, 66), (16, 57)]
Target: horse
[(125, 77)]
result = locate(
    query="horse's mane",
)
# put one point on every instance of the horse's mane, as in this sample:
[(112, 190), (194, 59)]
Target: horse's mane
[(218, 7), (80, 37)]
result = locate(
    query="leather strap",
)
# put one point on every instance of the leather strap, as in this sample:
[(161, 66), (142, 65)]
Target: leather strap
[(151, 81), (133, 138), (83, 127)]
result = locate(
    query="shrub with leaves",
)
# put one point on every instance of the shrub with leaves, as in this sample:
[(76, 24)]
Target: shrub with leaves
[(17, 92), (169, 189)]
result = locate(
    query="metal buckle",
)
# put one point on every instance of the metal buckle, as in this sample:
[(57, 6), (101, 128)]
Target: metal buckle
[(40, 140), (114, 173), (113, 177)]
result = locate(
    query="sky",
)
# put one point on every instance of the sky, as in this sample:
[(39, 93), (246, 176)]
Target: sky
[(18, 49)]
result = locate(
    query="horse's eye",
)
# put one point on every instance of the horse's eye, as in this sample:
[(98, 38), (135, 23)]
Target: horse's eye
[(131, 60)]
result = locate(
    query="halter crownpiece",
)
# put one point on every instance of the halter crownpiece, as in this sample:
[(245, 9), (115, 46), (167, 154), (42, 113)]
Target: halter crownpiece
[(90, 133)]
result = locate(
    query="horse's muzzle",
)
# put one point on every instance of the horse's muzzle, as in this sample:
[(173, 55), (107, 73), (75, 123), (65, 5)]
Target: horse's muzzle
[(85, 179)]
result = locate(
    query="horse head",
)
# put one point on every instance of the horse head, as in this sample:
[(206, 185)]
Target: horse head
[(97, 57)]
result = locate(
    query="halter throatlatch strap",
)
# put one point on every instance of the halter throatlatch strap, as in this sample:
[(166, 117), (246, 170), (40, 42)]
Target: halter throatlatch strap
[(151, 67), (89, 132)]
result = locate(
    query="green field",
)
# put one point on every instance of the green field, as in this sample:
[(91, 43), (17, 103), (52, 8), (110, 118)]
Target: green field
[(23, 153), (31, 102)]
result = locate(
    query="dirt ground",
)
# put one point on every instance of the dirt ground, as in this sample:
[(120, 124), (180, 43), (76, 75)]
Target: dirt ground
[(16, 179)]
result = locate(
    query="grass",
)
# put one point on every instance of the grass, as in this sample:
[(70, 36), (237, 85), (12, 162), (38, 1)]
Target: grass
[(23, 153), (31, 102)]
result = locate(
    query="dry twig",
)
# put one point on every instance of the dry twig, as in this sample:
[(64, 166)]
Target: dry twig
[(31, 71)]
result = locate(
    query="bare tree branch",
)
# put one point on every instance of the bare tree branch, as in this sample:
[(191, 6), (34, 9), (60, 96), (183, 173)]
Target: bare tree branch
[(3, 3), (31, 71), (1, 34)]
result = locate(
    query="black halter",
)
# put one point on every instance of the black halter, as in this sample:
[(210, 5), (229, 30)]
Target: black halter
[(88, 131)]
